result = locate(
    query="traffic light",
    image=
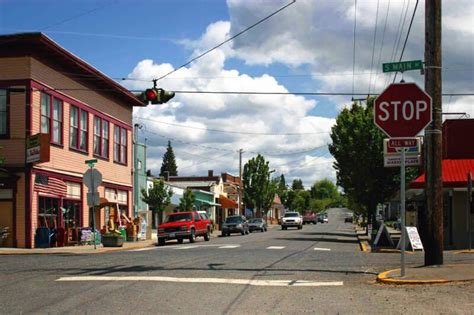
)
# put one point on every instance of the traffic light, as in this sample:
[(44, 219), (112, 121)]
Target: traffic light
[(156, 96)]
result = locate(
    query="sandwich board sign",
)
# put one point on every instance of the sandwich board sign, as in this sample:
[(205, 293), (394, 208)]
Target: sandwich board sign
[(383, 237), (414, 240)]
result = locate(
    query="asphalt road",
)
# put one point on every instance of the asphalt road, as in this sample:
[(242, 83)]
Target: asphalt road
[(319, 269)]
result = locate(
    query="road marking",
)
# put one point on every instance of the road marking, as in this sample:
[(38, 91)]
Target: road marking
[(229, 246), (253, 282), (187, 247), (323, 249), (275, 247)]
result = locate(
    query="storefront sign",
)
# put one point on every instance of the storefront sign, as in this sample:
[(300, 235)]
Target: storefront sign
[(37, 148)]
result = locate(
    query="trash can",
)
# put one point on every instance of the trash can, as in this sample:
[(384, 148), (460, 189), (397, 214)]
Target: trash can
[(123, 232), (42, 237)]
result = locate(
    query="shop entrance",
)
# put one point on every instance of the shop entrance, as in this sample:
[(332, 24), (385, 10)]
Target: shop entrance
[(6, 221)]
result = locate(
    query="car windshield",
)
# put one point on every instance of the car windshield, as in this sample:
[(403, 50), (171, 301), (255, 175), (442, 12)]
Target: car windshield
[(291, 214), (179, 217), (233, 220), (256, 221)]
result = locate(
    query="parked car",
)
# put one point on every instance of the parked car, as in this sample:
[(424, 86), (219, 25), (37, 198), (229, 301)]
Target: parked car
[(292, 219), (235, 224), (257, 224), (204, 216), (181, 225)]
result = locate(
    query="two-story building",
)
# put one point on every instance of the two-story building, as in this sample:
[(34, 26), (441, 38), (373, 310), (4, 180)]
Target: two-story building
[(44, 89)]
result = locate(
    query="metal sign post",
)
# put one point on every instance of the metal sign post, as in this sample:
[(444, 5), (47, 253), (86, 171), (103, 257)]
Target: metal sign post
[(469, 210), (402, 209)]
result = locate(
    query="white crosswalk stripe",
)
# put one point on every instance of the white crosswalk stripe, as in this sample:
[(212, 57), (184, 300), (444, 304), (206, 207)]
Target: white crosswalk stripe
[(229, 246), (275, 247), (322, 249)]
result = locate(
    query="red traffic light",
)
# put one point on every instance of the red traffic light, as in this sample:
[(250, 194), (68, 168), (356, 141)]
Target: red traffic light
[(151, 95)]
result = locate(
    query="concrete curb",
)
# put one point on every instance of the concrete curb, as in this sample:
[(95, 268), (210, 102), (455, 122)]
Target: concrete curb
[(466, 251), (383, 277)]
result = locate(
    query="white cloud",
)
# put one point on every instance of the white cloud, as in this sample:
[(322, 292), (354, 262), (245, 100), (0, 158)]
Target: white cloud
[(311, 37)]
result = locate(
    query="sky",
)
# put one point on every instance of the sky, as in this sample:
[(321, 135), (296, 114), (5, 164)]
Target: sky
[(335, 48)]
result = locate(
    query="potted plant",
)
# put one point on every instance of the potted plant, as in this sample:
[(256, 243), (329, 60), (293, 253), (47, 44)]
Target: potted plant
[(112, 239)]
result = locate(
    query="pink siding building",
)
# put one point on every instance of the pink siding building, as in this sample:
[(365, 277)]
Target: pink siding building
[(45, 89)]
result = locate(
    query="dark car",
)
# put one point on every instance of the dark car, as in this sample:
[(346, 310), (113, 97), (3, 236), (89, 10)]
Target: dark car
[(257, 224), (323, 218), (348, 219), (235, 224)]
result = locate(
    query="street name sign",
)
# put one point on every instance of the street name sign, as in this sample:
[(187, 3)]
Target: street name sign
[(402, 142), (402, 66), (402, 110)]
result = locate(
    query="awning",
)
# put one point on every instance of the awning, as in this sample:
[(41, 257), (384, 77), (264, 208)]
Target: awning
[(227, 203), (454, 174), (208, 202)]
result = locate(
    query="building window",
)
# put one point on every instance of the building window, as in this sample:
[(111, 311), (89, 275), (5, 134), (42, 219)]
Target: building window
[(101, 137), (52, 117), (3, 113), (120, 144), (78, 129)]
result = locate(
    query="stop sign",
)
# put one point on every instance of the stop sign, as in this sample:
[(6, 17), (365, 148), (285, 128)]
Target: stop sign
[(402, 110)]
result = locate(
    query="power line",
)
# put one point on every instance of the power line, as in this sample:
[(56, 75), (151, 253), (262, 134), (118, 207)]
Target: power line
[(227, 40), (373, 45), (397, 36), (406, 38), (233, 131), (383, 38), (354, 47)]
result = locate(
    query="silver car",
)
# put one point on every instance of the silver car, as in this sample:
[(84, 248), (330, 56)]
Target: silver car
[(257, 224)]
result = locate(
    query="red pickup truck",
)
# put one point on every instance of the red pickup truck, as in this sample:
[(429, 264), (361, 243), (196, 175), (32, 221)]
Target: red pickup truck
[(181, 225)]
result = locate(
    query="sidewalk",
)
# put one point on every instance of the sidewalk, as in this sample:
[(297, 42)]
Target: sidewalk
[(84, 249), (429, 275)]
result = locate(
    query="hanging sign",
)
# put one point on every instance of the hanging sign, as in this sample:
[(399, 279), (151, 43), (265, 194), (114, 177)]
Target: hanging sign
[(37, 148)]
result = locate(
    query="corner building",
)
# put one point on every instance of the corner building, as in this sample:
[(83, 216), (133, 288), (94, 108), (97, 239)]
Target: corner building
[(81, 114)]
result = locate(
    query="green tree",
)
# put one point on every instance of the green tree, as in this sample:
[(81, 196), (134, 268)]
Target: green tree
[(168, 167), (258, 188), (186, 202), (297, 184), (324, 189), (357, 146), (157, 197), (301, 201)]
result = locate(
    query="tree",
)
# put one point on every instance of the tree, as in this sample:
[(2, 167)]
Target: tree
[(168, 167), (297, 184), (301, 201), (258, 189), (324, 189), (357, 146), (158, 197), (186, 202)]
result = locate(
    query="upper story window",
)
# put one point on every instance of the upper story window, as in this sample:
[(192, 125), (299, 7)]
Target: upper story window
[(101, 137), (79, 129), (3, 113), (52, 118), (120, 144)]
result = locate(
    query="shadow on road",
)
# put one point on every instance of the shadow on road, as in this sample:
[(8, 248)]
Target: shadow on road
[(318, 239), (329, 234)]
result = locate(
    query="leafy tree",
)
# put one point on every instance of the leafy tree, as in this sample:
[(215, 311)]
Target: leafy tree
[(168, 167), (258, 189), (319, 205), (186, 202), (280, 187), (301, 201), (324, 189), (297, 184), (357, 146), (158, 197)]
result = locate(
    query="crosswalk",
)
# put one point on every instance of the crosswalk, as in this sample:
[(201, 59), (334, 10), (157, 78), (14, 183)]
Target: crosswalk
[(216, 246)]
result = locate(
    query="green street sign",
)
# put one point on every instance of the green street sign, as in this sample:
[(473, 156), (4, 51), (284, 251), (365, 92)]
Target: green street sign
[(91, 162), (402, 66)]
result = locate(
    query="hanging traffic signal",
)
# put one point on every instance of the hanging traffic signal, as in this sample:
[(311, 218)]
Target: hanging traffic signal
[(156, 96)]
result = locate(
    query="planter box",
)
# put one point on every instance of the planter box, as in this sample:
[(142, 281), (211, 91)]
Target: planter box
[(112, 241)]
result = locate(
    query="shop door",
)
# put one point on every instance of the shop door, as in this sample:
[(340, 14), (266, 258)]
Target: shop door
[(6, 220)]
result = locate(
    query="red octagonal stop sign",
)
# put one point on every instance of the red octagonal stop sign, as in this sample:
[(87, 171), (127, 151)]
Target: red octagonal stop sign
[(402, 110)]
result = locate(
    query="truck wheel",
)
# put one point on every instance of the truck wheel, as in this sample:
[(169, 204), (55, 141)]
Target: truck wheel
[(207, 236), (180, 240), (242, 232), (192, 237), (161, 241)]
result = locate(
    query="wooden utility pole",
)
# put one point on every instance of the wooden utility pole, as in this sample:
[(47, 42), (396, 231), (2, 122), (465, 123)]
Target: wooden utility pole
[(434, 182), (241, 184)]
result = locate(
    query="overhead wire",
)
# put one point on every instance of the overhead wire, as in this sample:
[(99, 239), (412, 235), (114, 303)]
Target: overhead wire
[(382, 43), (227, 40), (373, 44), (406, 38), (399, 27)]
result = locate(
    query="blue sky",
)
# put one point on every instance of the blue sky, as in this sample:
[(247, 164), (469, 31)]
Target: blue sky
[(308, 47)]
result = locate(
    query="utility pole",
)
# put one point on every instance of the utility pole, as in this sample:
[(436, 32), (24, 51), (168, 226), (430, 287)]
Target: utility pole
[(434, 181), (241, 185)]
